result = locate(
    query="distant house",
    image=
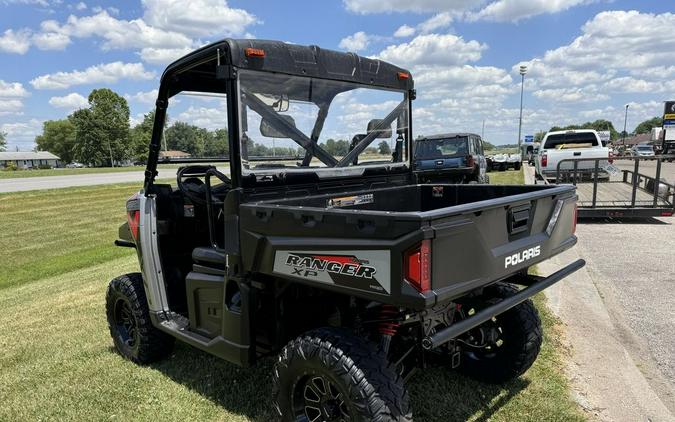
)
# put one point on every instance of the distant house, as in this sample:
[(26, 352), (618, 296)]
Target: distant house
[(173, 154), (642, 138), (26, 160)]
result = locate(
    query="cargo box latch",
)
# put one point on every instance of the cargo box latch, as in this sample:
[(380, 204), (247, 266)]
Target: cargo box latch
[(518, 219)]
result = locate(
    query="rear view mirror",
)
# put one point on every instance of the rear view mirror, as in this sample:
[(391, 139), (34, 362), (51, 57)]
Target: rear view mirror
[(377, 126), (268, 130)]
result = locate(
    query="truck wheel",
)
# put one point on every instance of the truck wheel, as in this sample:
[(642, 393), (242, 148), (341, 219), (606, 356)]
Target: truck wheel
[(517, 347), (516, 166), (329, 374), (128, 315)]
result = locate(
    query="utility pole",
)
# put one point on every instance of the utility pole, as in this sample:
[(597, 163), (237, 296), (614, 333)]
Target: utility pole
[(482, 132), (523, 71), (625, 120)]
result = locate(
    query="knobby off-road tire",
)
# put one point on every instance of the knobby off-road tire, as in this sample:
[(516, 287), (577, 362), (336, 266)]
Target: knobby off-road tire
[(521, 335), (331, 374), (128, 315)]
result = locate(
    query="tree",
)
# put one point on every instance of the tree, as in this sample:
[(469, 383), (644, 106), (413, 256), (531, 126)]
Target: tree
[(102, 130), (383, 148), (58, 137), (218, 144), (3, 142), (599, 124), (188, 138), (647, 125), (487, 146), (140, 136)]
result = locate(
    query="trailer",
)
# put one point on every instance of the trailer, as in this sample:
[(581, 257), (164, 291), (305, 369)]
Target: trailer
[(621, 189)]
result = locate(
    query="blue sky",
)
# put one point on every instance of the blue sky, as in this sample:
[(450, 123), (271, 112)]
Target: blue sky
[(587, 58)]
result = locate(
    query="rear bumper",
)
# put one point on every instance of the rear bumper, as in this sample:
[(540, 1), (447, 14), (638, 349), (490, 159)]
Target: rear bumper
[(535, 285)]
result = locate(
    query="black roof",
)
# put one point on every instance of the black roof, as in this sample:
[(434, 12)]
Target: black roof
[(296, 59), (445, 136)]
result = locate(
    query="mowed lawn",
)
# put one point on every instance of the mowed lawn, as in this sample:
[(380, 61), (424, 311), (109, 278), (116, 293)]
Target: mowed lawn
[(57, 361)]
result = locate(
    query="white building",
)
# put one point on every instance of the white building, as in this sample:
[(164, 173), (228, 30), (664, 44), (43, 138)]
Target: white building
[(26, 160)]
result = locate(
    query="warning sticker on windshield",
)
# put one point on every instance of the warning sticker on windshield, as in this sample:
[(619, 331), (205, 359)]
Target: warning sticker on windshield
[(348, 201)]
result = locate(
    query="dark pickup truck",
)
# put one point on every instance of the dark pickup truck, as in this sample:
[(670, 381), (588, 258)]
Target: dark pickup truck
[(340, 264)]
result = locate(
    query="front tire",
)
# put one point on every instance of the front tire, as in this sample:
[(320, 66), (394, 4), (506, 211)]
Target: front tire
[(520, 335), (330, 374), (128, 315)]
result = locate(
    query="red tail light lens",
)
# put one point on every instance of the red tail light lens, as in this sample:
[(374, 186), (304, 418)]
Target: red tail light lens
[(134, 219), (417, 266), (576, 217), (544, 160), (470, 161)]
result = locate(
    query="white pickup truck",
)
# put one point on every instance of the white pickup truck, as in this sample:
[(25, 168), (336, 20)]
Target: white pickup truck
[(572, 144)]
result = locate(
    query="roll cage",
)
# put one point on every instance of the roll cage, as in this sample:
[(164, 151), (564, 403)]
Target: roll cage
[(215, 69)]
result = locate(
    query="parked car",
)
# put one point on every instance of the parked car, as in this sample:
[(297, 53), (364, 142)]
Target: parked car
[(643, 151), (74, 165), (450, 158), (349, 271), (571, 145)]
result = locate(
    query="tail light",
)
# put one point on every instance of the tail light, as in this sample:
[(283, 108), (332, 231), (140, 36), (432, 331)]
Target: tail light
[(576, 217), (470, 161), (544, 160), (417, 266), (610, 158), (134, 219)]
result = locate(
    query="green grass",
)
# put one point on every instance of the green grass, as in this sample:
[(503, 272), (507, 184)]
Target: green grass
[(57, 361), (508, 177)]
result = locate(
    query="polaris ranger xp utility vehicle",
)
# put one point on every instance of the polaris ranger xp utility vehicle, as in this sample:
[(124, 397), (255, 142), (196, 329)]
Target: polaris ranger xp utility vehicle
[(333, 260)]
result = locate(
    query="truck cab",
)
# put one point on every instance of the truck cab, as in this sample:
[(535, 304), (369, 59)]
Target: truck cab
[(559, 150)]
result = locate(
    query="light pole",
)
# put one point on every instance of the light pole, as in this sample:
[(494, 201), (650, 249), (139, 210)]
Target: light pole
[(523, 71), (625, 120)]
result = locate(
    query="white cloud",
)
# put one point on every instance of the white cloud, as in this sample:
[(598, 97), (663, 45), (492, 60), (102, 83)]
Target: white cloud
[(107, 73), (515, 10), (440, 20), (207, 118), (147, 97), (15, 42), (571, 95), (71, 102), (356, 42), (51, 41), (197, 17), (10, 106), (162, 56), (21, 132), (433, 49), (12, 90), (379, 6), (80, 6), (404, 31)]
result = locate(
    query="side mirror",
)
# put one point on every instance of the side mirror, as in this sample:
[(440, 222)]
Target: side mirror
[(268, 130), (377, 126)]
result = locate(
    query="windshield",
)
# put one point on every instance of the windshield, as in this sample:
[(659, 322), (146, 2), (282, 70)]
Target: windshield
[(645, 147), (441, 148), (331, 128), (574, 138)]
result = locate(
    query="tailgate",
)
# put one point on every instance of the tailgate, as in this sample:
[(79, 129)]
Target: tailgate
[(487, 244), (442, 163), (556, 156)]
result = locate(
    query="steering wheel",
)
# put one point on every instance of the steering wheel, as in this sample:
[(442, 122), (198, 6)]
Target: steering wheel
[(189, 182)]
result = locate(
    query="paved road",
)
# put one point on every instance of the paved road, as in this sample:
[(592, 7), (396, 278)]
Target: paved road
[(648, 168), (54, 182), (620, 313)]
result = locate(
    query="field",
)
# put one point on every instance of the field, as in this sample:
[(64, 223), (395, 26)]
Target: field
[(57, 362), (6, 174)]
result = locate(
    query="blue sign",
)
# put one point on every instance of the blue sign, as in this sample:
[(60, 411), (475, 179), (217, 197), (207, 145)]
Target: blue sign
[(529, 138)]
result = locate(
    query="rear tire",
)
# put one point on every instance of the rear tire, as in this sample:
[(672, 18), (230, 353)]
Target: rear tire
[(128, 315), (331, 374), (522, 337), (517, 166)]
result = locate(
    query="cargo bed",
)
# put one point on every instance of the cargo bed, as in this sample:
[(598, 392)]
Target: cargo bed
[(479, 234)]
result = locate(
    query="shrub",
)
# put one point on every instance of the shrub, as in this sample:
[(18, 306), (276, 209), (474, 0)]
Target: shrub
[(11, 166)]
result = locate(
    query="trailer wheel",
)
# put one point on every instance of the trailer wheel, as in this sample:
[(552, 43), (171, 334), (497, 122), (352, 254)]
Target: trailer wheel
[(128, 315), (516, 166), (330, 374), (515, 349)]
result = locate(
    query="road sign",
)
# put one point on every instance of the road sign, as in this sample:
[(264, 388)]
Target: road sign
[(529, 138)]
